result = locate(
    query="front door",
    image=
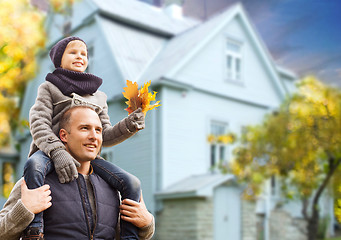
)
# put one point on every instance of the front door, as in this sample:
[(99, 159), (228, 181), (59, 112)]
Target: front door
[(227, 213)]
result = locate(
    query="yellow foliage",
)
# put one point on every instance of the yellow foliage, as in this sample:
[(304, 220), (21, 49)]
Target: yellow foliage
[(22, 36), (338, 208), (139, 98)]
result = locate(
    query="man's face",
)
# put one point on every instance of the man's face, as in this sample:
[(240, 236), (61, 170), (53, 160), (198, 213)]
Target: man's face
[(83, 140), (75, 57)]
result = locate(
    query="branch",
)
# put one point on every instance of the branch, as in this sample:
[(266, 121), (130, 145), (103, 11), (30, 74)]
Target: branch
[(332, 169)]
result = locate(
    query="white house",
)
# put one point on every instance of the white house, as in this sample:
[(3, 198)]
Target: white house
[(211, 77)]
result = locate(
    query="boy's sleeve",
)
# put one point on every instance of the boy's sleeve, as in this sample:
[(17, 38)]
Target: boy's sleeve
[(14, 217), (41, 122), (116, 134)]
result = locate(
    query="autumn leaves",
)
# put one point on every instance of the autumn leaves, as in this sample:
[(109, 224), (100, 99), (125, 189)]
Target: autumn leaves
[(139, 98)]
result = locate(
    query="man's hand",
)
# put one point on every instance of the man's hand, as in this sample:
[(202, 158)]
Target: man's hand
[(36, 200), (135, 213)]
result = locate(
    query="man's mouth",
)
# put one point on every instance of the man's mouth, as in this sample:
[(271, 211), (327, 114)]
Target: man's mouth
[(90, 146)]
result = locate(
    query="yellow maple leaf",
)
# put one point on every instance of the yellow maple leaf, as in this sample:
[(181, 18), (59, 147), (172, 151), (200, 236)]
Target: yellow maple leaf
[(139, 98)]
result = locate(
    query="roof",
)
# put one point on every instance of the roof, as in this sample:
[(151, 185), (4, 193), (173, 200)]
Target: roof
[(180, 47), (183, 47), (133, 49), (195, 186), (145, 16)]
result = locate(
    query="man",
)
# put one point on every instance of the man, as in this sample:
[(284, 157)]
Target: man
[(84, 209)]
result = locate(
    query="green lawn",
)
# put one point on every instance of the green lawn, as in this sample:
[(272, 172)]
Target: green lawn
[(337, 238)]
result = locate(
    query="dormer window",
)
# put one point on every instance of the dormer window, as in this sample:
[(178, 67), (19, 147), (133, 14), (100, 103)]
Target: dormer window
[(233, 54)]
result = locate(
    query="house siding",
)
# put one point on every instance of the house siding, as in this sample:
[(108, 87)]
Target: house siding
[(186, 151)]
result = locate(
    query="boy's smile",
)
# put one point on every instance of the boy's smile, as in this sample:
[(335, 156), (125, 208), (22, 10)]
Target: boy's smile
[(75, 57)]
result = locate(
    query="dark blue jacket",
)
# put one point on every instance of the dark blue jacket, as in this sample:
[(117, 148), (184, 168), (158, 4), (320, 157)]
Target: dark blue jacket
[(70, 216)]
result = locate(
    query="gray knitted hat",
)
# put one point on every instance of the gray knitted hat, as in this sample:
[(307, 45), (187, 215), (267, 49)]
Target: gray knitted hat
[(57, 51)]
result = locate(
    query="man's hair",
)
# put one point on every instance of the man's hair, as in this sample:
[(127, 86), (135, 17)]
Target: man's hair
[(64, 122)]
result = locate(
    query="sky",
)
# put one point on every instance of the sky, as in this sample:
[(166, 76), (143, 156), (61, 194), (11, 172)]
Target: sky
[(301, 35)]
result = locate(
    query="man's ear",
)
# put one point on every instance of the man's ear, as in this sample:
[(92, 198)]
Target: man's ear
[(63, 135)]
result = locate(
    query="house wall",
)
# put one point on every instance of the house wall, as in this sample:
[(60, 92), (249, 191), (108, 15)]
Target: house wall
[(207, 69), (250, 221), (284, 227), (186, 117), (190, 219)]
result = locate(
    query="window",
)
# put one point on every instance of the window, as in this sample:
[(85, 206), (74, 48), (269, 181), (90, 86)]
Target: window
[(90, 57), (8, 178), (217, 147), (233, 60)]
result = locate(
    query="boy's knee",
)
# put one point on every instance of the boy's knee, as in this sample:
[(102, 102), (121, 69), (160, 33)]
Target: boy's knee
[(36, 163), (33, 164), (134, 183)]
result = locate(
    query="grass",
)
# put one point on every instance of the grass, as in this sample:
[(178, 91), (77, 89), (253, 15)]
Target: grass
[(335, 238)]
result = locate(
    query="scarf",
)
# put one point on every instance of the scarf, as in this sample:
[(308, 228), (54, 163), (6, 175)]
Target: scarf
[(74, 82)]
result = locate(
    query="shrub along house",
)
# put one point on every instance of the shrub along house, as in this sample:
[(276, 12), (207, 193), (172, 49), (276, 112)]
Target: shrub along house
[(211, 77)]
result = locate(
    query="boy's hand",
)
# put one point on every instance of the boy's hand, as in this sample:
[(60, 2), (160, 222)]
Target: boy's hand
[(36, 200), (65, 165), (136, 120)]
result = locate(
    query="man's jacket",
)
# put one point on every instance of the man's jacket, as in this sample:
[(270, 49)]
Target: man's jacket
[(70, 216)]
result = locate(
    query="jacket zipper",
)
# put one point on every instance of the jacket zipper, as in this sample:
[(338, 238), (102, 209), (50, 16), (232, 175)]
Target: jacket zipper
[(95, 220), (84, 209)]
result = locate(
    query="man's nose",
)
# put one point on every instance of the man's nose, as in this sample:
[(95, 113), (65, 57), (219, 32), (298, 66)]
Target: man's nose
[(92, 134)]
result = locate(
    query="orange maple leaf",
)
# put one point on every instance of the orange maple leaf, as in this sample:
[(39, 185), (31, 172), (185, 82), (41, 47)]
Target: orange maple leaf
[(139, 98)]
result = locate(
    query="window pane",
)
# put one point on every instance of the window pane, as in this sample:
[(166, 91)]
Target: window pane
[(213, 147), (222, 153), (218, 128), (232, 46), (238, 68)]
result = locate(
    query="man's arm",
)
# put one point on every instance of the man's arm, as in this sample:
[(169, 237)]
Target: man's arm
[(18, 213)]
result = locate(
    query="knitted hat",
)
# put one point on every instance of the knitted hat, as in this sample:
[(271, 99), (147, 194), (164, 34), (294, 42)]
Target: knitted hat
[(57, 51)]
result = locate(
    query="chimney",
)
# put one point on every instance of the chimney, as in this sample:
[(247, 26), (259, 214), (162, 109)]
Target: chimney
[(174, 10)]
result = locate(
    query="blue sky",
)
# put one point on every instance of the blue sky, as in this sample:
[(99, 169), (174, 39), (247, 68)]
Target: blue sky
[(301, 35)]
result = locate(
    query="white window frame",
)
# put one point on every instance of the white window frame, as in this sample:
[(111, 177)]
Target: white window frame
[(235, 56), (219, 152)]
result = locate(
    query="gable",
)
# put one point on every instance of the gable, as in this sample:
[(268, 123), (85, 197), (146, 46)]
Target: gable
[(197, 58), (207, 69)]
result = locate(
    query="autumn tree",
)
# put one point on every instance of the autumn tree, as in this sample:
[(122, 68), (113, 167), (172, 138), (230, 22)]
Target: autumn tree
[(22, 36), (300, 143)]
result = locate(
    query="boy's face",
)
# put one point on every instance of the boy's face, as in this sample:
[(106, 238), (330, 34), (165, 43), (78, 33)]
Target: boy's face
[(75, 56)]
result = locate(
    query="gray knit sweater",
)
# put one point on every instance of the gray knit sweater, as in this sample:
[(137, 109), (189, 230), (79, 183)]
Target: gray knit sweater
[(15, 217)]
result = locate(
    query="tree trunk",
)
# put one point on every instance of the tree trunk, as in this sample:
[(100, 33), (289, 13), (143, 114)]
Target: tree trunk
[(313, 224)]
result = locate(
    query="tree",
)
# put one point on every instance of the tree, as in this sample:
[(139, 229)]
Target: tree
[(22, 36), (300, 143)]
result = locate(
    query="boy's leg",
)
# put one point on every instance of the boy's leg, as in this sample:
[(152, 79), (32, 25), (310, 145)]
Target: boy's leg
[(127, 184), (35, 170)]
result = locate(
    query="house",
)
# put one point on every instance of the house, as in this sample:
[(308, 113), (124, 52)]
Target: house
[(211, 77)]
